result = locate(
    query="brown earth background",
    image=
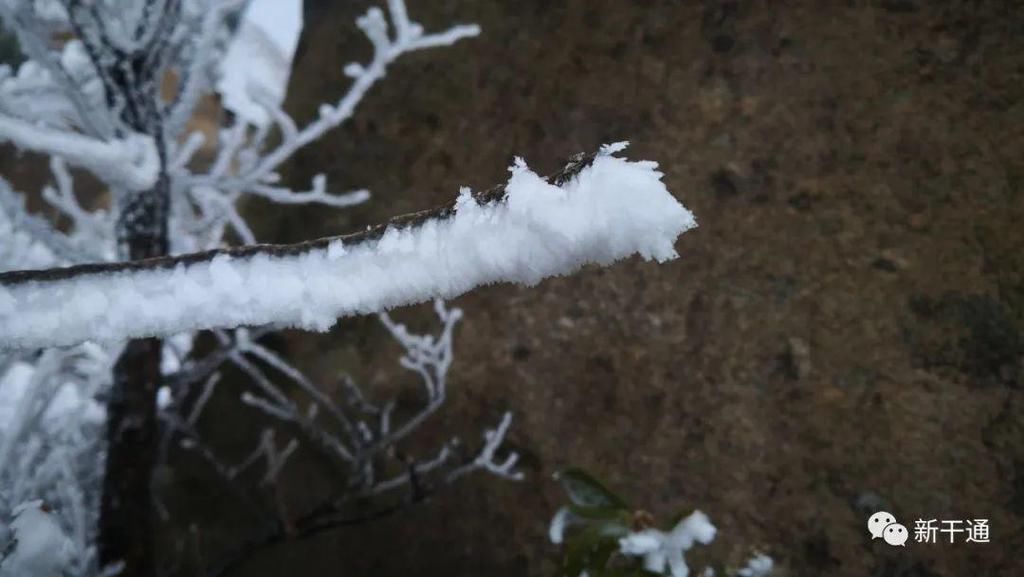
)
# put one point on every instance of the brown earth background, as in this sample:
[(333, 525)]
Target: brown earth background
[(843, 333)]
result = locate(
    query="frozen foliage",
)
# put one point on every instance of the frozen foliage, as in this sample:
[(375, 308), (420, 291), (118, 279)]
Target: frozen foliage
[(556, 530), (660, 549), (50, 449), (760, 565), (608, 537), (20, 248), (50, 425), (42, 549), (612, 209)]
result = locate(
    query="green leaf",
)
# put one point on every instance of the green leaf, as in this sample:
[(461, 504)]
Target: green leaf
[(10, 53), (619, 514), (590, 551), (586, 491)]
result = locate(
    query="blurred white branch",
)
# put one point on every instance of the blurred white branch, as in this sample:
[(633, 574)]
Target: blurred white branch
[(130, 163)]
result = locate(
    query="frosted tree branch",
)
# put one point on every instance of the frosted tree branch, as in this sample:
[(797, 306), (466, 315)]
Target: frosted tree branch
[(386, 49), (597, 210)]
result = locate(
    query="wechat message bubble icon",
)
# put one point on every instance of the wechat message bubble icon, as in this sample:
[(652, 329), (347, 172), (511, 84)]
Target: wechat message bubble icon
[(878, 522), (896, 534)]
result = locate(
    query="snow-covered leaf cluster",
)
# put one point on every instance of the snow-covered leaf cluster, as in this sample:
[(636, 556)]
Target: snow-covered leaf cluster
[(661, 550), (603, 535)]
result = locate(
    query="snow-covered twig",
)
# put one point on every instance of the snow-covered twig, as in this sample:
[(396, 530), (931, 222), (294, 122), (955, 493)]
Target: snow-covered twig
[(386, 49), (485, 460), (64, 248), (317, 194)]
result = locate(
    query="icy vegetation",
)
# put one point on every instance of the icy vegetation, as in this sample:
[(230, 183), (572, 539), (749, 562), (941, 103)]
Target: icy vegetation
[(612, 209), (115, 88), (50, 452), (604, 536), (661, 550), (42, 548), (134, 128)]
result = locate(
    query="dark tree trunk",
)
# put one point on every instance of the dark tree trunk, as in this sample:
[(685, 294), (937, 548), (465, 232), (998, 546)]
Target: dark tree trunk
[(126, 531), (131, 82), (126, 511)]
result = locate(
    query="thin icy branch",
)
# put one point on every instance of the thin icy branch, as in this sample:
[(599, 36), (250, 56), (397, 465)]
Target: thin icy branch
[(598, 210), (63, 247), (370, 442), (336, 514), (259, 169), (318, 194), (485, 460), (428, 357), (276, 404)]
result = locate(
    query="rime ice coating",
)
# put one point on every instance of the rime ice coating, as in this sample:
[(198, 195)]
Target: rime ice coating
[(611, 210)]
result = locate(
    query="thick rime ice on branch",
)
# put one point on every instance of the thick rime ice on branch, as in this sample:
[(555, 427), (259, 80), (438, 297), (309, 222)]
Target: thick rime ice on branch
[(611, 210)]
